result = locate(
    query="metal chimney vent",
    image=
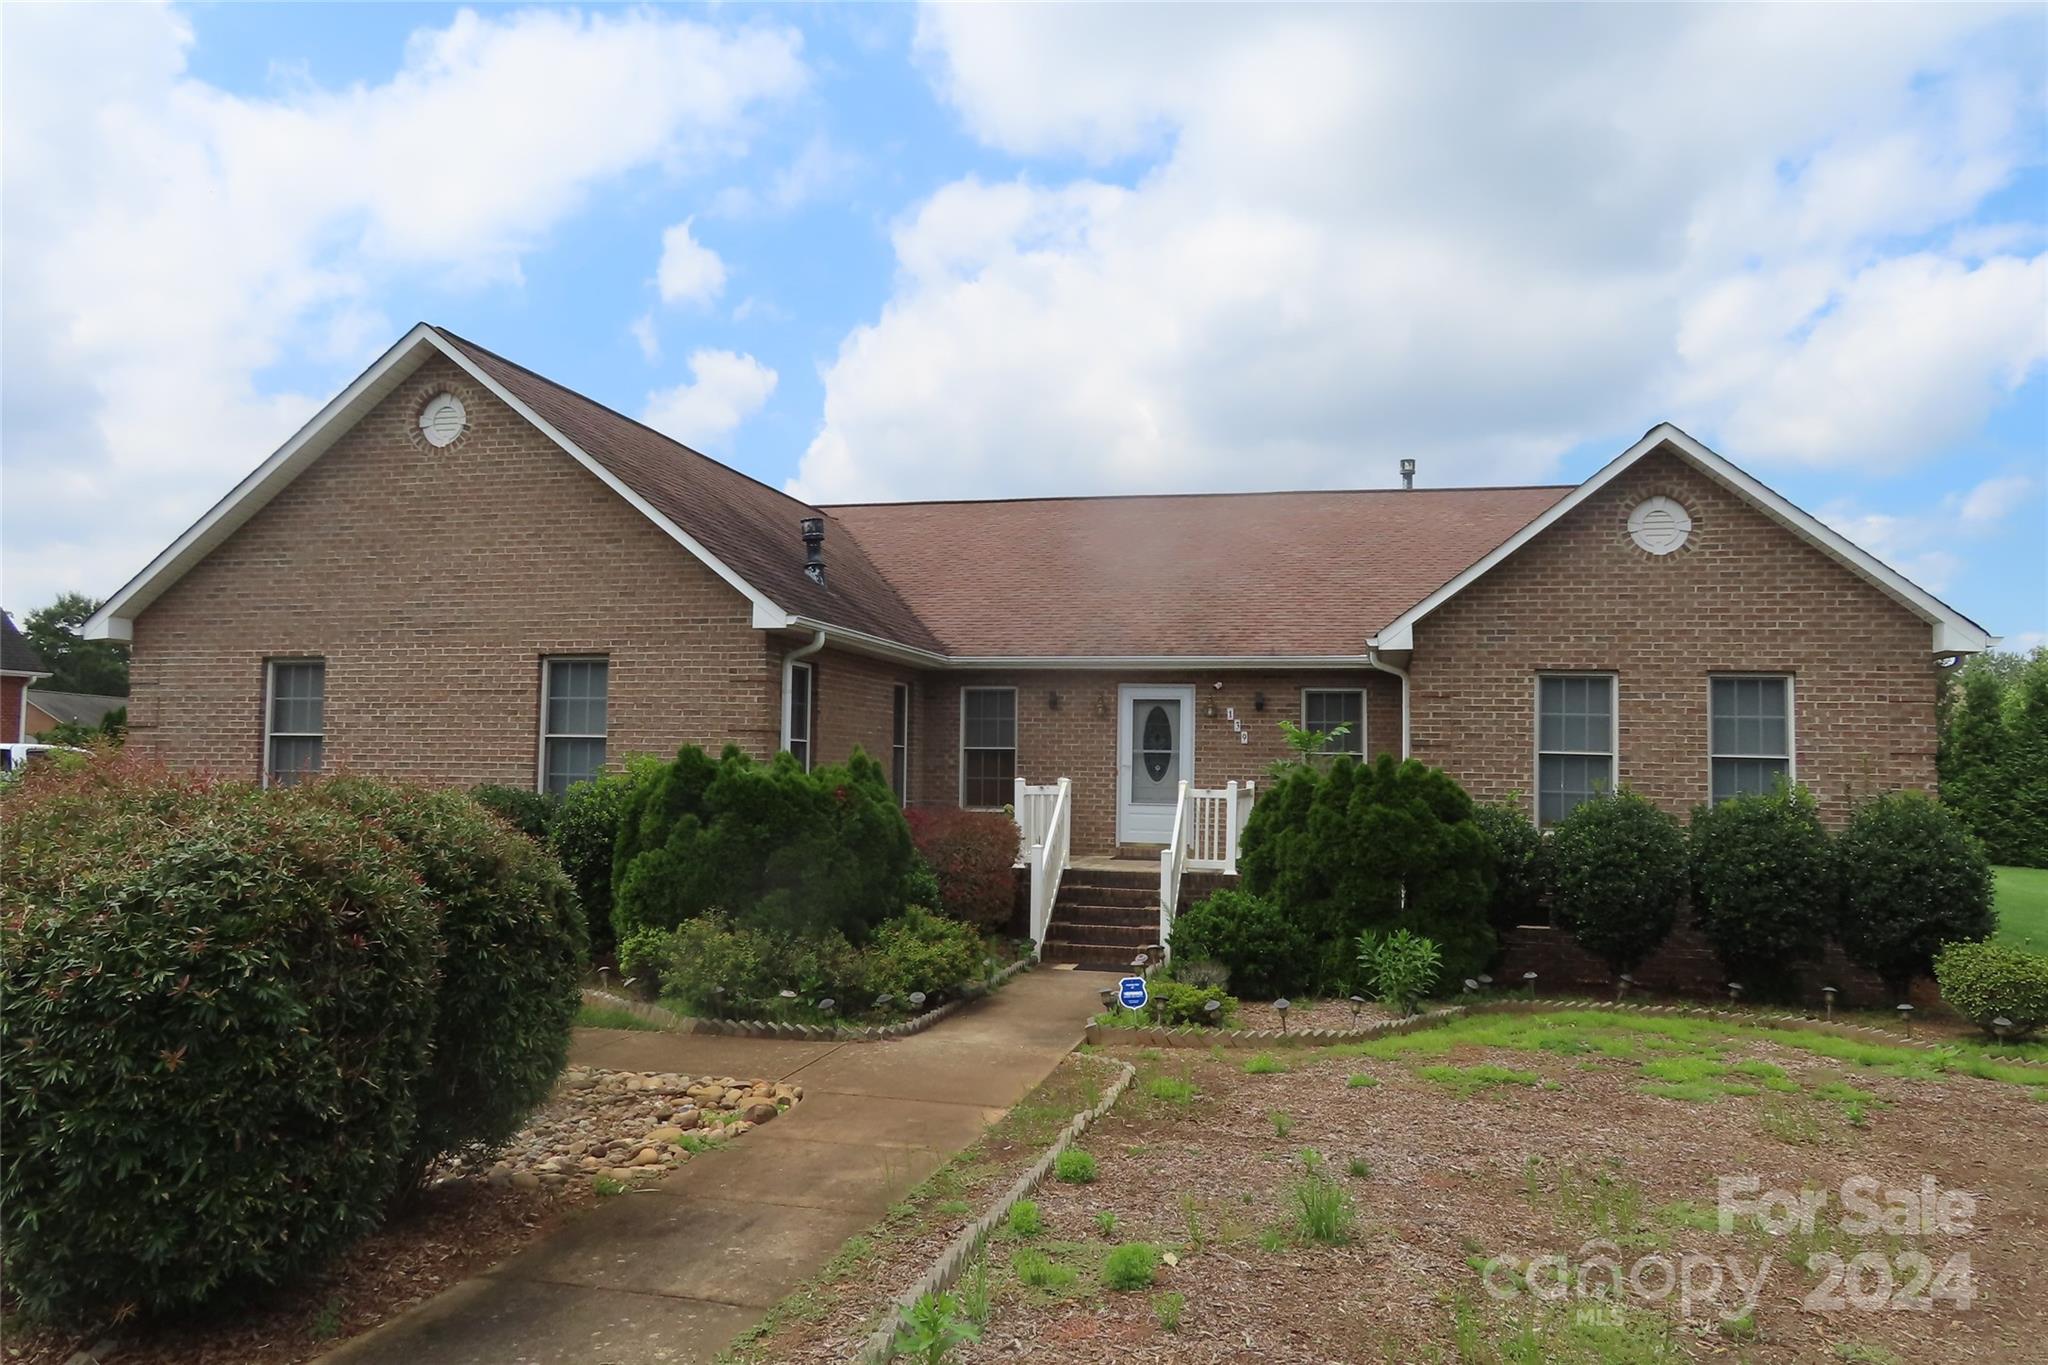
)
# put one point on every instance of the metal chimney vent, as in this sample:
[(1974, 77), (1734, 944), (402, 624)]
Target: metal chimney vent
[(1407, 473), (814, 548)]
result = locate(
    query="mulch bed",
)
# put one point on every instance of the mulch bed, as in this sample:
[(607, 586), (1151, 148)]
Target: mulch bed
[(1308, 1014), (1450, 1183)]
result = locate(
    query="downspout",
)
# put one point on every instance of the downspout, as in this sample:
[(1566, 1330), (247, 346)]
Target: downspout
[(1372, 656), (789, 661)]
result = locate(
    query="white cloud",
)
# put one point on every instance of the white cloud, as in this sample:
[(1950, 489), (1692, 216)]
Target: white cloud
[(1919, 544), (2024, 641), (690, 272), (646, 337), (726, 389), (166, 243), (1332, 254), (821, 167)]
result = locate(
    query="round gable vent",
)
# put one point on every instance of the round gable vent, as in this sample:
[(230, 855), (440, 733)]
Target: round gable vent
[(442, 419), (1659, 525)]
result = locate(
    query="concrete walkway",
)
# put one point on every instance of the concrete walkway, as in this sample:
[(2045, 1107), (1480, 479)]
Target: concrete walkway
[(674, 1272)]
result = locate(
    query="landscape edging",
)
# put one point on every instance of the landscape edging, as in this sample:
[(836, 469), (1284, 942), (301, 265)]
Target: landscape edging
[(1195, 1035), (1802, 1022), (827, 1033), (946, 1267)]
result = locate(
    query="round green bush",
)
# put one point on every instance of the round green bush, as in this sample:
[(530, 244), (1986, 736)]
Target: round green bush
[(1520, 870), (1986, 982), (1381, 846), (530, 812), (1257, 944), (921, 951), (1177, 1004), (1763, 886), (1911, 879), (776, 847), (512, 954), (216, 1012), (1130, 1266), (710, 967), (1617, 872)]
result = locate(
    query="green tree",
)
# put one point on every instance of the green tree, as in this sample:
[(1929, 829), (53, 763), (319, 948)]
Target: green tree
[(76, 664), (1993, 759)]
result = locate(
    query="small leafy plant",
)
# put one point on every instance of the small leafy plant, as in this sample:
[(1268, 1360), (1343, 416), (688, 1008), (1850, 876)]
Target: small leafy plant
[(1131, 1266), (1399, 968), (931, 1329), (1360, 1167), (1167, 1308), (1025, 1219), (1283, 1123), (1105, 1222), (1074, 1166)]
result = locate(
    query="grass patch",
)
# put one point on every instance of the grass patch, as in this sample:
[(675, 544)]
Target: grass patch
[(1283, 1123), (1595, 1199), (1561, 1336), (1167, 1308), (1074, 1166), (611, 1016), (1361, 1081), (1465, 1081), (1037, 1270), (1024, 1220), (1131, 1266), (1322, 1210), (2021, 898), (1172, 1089), (1264, 1064), (1793, 1125)]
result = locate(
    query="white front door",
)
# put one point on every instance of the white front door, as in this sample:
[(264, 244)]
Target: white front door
[(1155, 754)]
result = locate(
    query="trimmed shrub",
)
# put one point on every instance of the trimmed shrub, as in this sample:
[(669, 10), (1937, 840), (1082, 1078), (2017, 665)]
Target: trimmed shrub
[(1356, 847), (512, 953), (1176, 1004), (1131, 1266), (712, 967), (1763, 885), (1520, 870), (585, 835), (973, 854), (1247, 934), (216, 1012), (1985, 982), (1911, 879), (778, 848), (1617, 870), (921, 951), (529, 812)]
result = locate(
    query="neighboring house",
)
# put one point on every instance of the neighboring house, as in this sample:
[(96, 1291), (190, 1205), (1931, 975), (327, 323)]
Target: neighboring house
[(20, 665), (47, 710), (462, 572)]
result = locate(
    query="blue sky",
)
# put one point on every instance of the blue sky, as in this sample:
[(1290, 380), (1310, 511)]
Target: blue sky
[(871, 252)]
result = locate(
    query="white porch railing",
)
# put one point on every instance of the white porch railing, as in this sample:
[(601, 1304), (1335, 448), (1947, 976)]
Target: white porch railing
[(1045, 824), (1207, 824)]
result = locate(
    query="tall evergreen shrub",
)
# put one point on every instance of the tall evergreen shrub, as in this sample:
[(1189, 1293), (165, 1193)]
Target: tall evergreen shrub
[(1763, 885)]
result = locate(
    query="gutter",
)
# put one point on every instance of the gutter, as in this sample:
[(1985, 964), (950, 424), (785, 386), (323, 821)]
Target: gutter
[(789, 662), (1372, 655)]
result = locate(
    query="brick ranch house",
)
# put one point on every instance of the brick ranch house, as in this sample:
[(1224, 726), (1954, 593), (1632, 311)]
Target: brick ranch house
[(461, 572)]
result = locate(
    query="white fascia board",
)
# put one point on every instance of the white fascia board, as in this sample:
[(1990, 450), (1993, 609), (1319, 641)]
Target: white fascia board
[(861, 643), (114, 620), (1953, 633)]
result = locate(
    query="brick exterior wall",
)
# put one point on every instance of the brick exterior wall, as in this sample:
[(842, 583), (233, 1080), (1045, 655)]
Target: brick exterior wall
[(1078, 739), (1744, 595), (433, 582), (11, 692), (854, 708)]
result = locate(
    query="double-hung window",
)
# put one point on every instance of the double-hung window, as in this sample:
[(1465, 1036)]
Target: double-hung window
[(988, 746), (295, 721), (801, 693), (1576, 740), (899, 741), (574, 693), (1325, 710), (1749, 735)]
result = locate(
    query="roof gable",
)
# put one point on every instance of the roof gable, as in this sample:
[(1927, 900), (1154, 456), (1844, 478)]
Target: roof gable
[(1952, 632), (18, 658)]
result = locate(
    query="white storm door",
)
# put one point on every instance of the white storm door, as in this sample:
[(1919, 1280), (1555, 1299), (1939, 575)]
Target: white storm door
[(1155, 754)]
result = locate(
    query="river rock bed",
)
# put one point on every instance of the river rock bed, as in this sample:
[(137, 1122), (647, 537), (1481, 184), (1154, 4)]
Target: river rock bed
[(604, 1127)]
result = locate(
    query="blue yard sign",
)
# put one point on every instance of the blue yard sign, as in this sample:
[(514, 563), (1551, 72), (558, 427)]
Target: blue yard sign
[(1131, 994)]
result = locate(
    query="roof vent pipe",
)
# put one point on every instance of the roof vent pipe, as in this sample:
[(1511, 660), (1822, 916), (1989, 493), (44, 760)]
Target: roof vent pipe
[(814, 548), (1407, 474)]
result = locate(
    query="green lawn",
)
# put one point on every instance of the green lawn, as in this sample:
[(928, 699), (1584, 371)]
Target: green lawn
[(2023, 907)]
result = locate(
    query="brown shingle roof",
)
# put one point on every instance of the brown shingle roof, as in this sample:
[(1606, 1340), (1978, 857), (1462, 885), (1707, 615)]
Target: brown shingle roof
[(749, 526), (1263, 574), (1201, 574)]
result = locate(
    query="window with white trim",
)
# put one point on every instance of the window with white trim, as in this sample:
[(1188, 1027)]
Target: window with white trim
[(899, 742), (1575, 741), (801, 694), (295, 721), (1749, 735), (1324, 709), (988, 747), (574, 697)]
